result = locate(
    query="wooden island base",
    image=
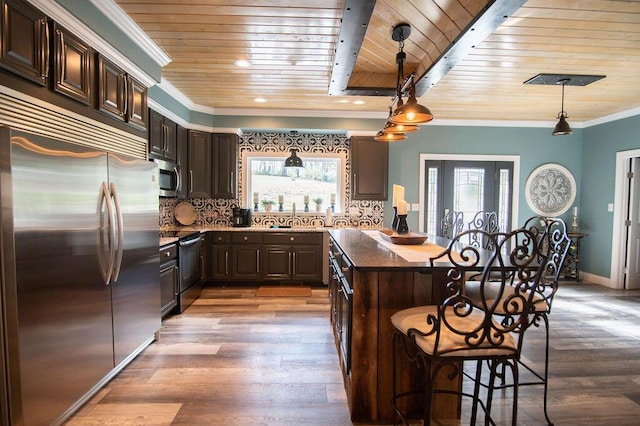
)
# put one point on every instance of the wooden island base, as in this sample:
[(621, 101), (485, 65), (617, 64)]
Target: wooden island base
[(381, 283)]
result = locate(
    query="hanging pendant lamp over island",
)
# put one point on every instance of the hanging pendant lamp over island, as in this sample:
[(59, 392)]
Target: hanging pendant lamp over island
[(406, 117)]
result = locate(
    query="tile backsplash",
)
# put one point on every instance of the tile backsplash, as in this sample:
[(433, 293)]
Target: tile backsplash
[(217, 212)]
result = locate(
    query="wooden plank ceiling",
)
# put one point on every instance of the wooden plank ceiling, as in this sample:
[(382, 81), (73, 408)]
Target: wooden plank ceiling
[(291, 45)]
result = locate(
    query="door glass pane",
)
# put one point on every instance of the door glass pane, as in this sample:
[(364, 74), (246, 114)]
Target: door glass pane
[(468, 191), (432, 198), (504, 191)]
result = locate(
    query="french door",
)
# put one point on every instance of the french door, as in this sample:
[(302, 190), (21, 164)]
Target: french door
[(468, 187)]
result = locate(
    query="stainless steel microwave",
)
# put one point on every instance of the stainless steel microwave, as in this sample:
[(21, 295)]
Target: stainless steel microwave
[(168, 178)]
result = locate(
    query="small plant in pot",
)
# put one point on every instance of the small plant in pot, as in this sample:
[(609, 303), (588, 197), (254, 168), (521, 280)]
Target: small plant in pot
[(318, 202), (267, 204)]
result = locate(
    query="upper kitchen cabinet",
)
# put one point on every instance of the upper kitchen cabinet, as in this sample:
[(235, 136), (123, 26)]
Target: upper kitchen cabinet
[(182, 160), (225, 165), (200, 162), (120, 95), (25, 41), (162, 137), (369, 169), (72, 65)]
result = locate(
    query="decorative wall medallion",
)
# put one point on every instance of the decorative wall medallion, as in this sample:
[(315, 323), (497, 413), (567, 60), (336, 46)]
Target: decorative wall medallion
[(550, 190)]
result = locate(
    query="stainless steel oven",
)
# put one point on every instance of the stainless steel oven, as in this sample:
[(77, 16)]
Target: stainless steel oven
[(168, 178)]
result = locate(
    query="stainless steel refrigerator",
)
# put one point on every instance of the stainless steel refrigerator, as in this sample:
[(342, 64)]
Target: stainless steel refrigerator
[(80, 272)]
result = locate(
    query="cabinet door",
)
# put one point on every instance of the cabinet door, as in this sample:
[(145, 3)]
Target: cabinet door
[(136, 104), (200, 164), (168, 288), (111, 88), (220, 259), (170, 139), (182, 141), (245, 262), (225, 165), (156, 134), (25, 41), (277, 262), (72, 64), (307, 262), (369, 169)]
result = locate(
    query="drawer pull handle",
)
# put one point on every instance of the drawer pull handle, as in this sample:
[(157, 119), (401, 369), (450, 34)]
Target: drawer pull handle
[(245, 238)]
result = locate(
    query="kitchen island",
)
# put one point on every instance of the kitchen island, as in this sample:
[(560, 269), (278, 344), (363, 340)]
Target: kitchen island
[(371, 280)]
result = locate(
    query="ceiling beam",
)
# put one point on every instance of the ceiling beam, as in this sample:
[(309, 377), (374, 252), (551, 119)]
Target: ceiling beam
[(354, 27)]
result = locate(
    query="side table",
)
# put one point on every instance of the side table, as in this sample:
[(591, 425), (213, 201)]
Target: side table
[(571, 266)]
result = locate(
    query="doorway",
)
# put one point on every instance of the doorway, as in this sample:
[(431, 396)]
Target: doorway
[(468, 183)]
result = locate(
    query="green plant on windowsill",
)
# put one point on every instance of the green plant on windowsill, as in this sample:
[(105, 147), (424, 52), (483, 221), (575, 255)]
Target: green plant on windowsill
[(318, 202), (267, 204)]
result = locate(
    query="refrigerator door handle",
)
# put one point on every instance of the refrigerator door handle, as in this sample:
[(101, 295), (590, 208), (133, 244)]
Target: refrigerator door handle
[(120, 225), (108, 268)]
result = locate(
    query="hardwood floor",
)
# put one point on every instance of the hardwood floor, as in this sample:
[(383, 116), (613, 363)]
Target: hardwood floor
[(236, 359)]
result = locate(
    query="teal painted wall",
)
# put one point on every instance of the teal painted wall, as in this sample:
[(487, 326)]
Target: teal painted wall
[(600, 145), (535, 146)]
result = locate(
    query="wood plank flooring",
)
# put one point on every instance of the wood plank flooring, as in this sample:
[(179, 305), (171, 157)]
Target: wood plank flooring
[(236, 359)]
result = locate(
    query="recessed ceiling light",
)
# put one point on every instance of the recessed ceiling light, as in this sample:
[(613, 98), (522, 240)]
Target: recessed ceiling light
[(343, 101), (359, 102), (241, 63), (260, 100)]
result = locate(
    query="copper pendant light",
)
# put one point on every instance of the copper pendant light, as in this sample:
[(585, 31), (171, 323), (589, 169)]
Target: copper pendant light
[(411, 113), (389, 137), (391, 127)]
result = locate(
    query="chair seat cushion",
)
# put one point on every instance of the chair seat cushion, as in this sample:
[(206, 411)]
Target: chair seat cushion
[(491, 289), (450, 344)]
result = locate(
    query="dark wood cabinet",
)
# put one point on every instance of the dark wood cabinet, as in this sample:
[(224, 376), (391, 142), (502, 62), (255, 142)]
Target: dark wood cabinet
[(246, 255), (25, 41), (341, 299), (369, 169), (200, 164), (225, 165), (182, 161), (168, 278), (220, 259), (120, 95), (293, 256), (72, 66), (163, 134)]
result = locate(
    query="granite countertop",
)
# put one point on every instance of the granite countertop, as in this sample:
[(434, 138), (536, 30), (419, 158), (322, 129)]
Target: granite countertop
[(244, 229), (367, 253), (168, 240)]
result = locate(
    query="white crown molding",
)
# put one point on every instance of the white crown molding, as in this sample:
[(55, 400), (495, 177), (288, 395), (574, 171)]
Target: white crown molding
[(613, 117), (73, 24), (128, 26)]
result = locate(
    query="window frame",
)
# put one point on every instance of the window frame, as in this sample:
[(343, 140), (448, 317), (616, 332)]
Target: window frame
[(246, 192)]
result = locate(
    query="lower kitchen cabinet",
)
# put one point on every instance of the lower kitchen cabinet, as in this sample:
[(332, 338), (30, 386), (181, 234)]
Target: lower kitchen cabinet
[(246, 252), (168, 278), (341, 302), (265, 256)]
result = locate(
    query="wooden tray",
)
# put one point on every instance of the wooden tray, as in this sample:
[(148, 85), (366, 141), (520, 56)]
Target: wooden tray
[(410, 238)]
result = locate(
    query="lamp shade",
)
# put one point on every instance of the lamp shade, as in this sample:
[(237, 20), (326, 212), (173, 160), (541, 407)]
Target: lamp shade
[(390, 127), (411, 113), (293, 160), (562, 128), (389, 137)]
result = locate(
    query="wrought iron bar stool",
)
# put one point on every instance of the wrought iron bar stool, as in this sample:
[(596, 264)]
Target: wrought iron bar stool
[(452, 224), (439, 339), (486, 221)]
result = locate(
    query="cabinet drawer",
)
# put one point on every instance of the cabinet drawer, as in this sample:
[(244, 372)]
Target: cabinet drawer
[(219, 237), (246, 237), (168, 253), (309, 238)]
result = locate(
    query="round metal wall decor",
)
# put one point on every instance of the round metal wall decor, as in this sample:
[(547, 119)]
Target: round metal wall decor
[(550, 190)]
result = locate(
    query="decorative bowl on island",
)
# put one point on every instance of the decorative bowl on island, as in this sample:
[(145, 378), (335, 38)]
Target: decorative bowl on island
[(410, 238)]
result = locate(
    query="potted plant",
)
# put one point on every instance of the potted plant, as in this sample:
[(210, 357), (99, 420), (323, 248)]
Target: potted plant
[(318, 202), (266, 204)]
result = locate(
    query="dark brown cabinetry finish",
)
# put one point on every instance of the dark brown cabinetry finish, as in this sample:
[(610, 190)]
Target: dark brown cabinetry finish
[(246, 252), (168, 278), (120, 95), (294, 256), (220, 263), (225, 165), (182, 160), (25, 41), (341, 298), (162, 137), (72, 66), (200, 163), (369, 168)]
